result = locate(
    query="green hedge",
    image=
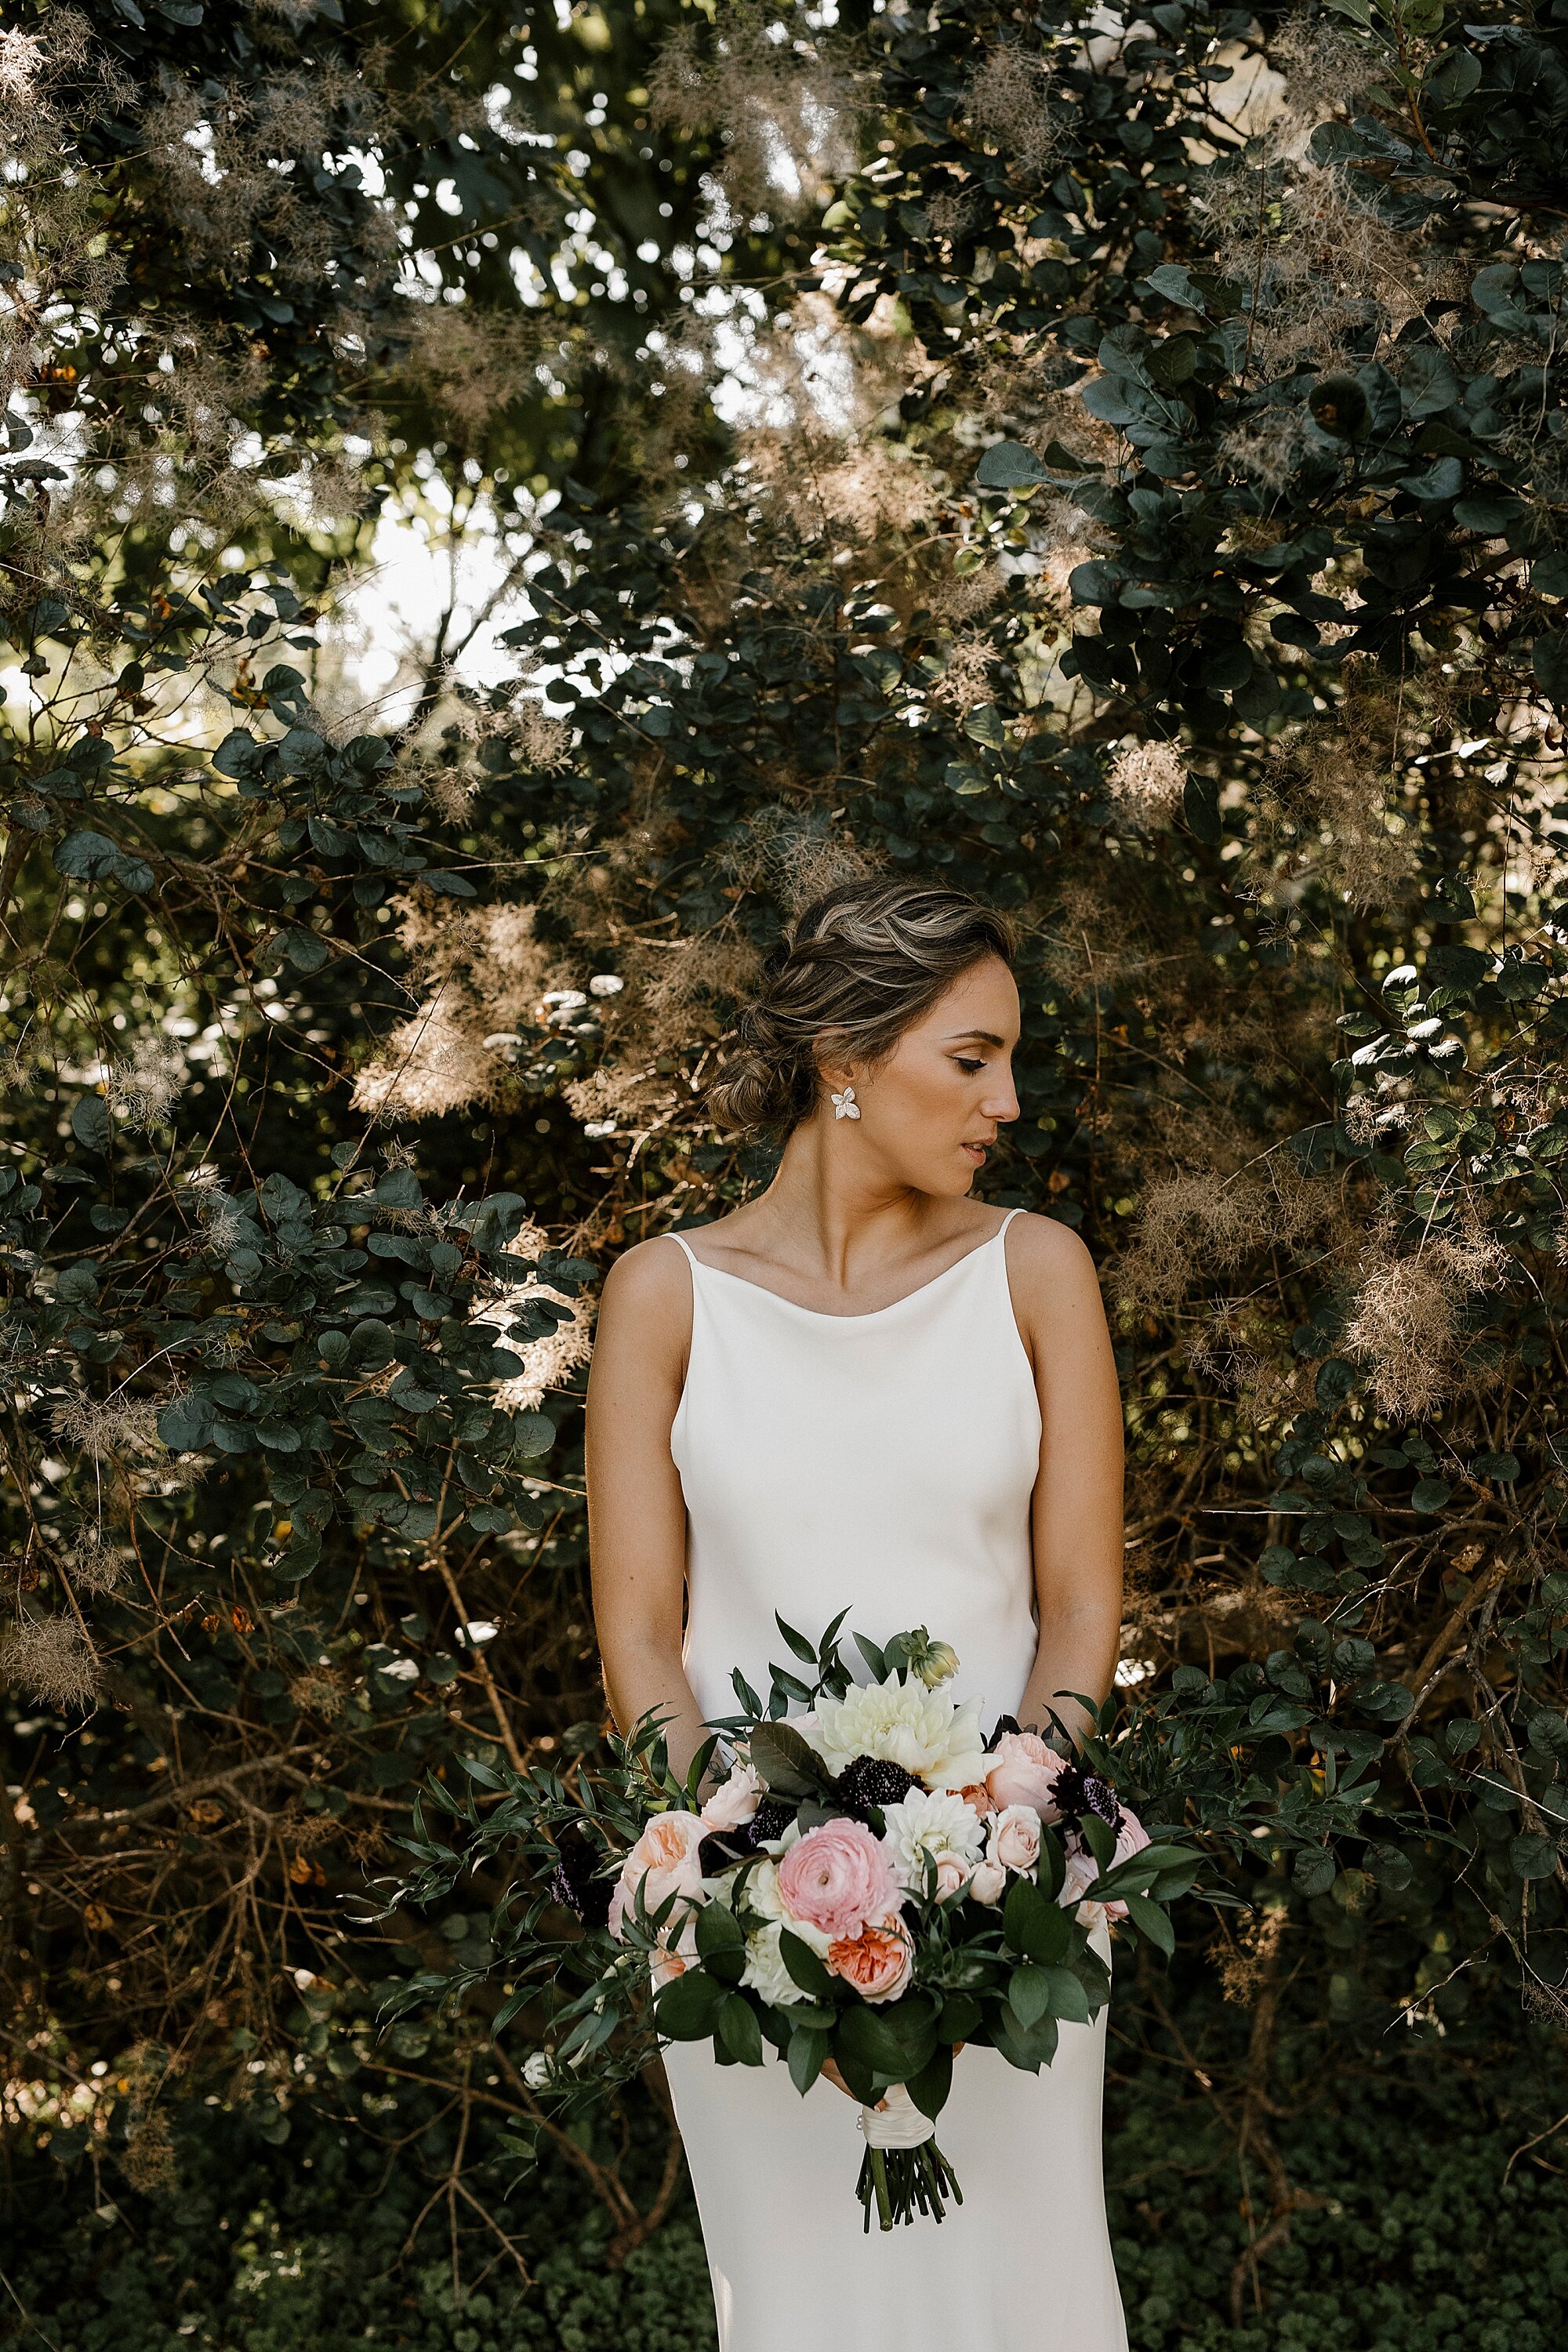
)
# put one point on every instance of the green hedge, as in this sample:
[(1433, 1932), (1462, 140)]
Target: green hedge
[(1419, 2247)]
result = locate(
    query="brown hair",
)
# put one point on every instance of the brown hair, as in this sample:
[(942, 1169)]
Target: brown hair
[(865, 962)]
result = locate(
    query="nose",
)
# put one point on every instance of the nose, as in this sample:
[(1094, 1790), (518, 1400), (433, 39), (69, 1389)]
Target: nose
[(1003, 1103)]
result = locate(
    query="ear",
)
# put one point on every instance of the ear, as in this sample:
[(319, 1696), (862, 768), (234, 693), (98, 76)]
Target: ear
[(835, 1068)]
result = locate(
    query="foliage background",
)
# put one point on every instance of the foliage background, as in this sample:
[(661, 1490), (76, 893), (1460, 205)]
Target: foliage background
[(1117, 465)]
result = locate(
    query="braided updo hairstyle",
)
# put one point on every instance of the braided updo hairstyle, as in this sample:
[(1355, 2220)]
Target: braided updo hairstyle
[(864, 961)]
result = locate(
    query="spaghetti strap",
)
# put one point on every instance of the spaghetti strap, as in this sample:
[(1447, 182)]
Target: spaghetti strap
[(685, 1245)]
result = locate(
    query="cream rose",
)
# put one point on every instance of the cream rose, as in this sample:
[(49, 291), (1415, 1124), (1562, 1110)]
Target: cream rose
[(1013, 1839), (733, 1804)]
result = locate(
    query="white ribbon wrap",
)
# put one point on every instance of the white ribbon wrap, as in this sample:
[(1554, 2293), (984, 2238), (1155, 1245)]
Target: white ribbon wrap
[(899, 2123)]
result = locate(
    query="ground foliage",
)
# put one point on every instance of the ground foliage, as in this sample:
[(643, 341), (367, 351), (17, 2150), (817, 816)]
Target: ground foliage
[(1122, 473)]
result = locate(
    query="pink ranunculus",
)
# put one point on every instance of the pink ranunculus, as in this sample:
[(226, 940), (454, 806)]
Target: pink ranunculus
[(1024, 1772), (988, 1883), (876, 1962), (837, 1877), (663, 1861), (1015, 1839), (735, 1801)]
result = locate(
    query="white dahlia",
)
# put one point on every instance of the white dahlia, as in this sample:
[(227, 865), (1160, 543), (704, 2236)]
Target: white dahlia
[(899, 1720), (765, 1973), (938, 1826)]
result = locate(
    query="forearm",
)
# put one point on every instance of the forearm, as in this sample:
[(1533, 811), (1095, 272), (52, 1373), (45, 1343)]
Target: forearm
[(1078, 1652), (646, 1675)]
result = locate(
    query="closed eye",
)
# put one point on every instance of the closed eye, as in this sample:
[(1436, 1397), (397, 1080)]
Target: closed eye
[(965, 1064)]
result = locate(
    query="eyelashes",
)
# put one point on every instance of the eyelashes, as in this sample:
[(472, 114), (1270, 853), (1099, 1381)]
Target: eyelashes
[(970, 1066)]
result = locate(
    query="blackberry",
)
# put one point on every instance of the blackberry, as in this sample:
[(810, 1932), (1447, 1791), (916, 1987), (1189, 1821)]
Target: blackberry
[(870, 1780), (1076, 1792), (771, 1820), (574, 1883)]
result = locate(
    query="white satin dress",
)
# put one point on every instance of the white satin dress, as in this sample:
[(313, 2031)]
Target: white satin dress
[(884, 1462)]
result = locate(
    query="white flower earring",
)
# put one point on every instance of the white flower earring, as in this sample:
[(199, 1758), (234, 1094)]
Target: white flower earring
[(844, 1104)]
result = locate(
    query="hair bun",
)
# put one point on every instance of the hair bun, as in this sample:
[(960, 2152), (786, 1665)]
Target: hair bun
[(862, 963)]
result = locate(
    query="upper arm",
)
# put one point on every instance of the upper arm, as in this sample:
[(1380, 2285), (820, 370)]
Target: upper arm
[(636, 1512), (1078, 1508)]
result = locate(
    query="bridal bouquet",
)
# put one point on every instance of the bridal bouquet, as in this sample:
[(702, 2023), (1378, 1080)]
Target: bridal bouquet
[(874, 1881)]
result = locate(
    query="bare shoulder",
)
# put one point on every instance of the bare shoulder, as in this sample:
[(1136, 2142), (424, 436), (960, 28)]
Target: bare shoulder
[(1050, 1270), (650, 1283)]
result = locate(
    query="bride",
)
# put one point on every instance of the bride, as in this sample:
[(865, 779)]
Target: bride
[(867, 1390)]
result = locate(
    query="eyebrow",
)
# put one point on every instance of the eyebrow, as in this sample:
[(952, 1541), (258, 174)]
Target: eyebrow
[(987, 1037)]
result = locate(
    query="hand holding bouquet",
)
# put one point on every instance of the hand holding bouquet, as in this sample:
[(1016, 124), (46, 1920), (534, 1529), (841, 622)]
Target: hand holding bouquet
[(873, 1881)]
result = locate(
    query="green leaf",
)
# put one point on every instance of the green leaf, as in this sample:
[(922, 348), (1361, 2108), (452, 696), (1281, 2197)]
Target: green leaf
[(686, 2009), (1200, 808), (739, 2029), (1313, 1870), (808, 2052), (788, 1765), (871, 2042), (800, 1647), (1033, 1925), (721, 1943), (1008, 466), (1548, 659), (929, 2089), (1534, 1855), (86, 856), (1030, 1993), (90, 1123), (1150, 1920), (186, 1424), (805, 1969)]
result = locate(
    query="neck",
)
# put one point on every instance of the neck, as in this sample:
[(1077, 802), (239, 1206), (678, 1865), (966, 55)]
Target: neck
[(833, 1213)]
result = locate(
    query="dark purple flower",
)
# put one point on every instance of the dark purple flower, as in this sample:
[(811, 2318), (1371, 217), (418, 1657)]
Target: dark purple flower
[(1077, 1793), (870, 1781), (574, 1882)]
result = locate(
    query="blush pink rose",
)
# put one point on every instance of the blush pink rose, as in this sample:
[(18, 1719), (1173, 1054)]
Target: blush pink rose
[(1015, 1839), (876, 1962), (1132, 1837), (952, 1875), (1082, 1870), (1024, 1772), (735, 1801), (988, 1882), (837, 1878), (664, 1862)]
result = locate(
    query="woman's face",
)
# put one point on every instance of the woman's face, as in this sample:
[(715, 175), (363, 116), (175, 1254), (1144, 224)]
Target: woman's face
[(930, 1112)]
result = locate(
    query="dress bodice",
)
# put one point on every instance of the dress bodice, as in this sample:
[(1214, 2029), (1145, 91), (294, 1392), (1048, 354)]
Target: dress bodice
[(881, 1463)]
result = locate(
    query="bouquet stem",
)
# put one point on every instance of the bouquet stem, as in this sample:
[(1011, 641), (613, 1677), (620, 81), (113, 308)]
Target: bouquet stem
[(901, 2180)]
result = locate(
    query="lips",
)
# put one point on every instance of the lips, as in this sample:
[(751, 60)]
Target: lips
[(976, 1153)]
